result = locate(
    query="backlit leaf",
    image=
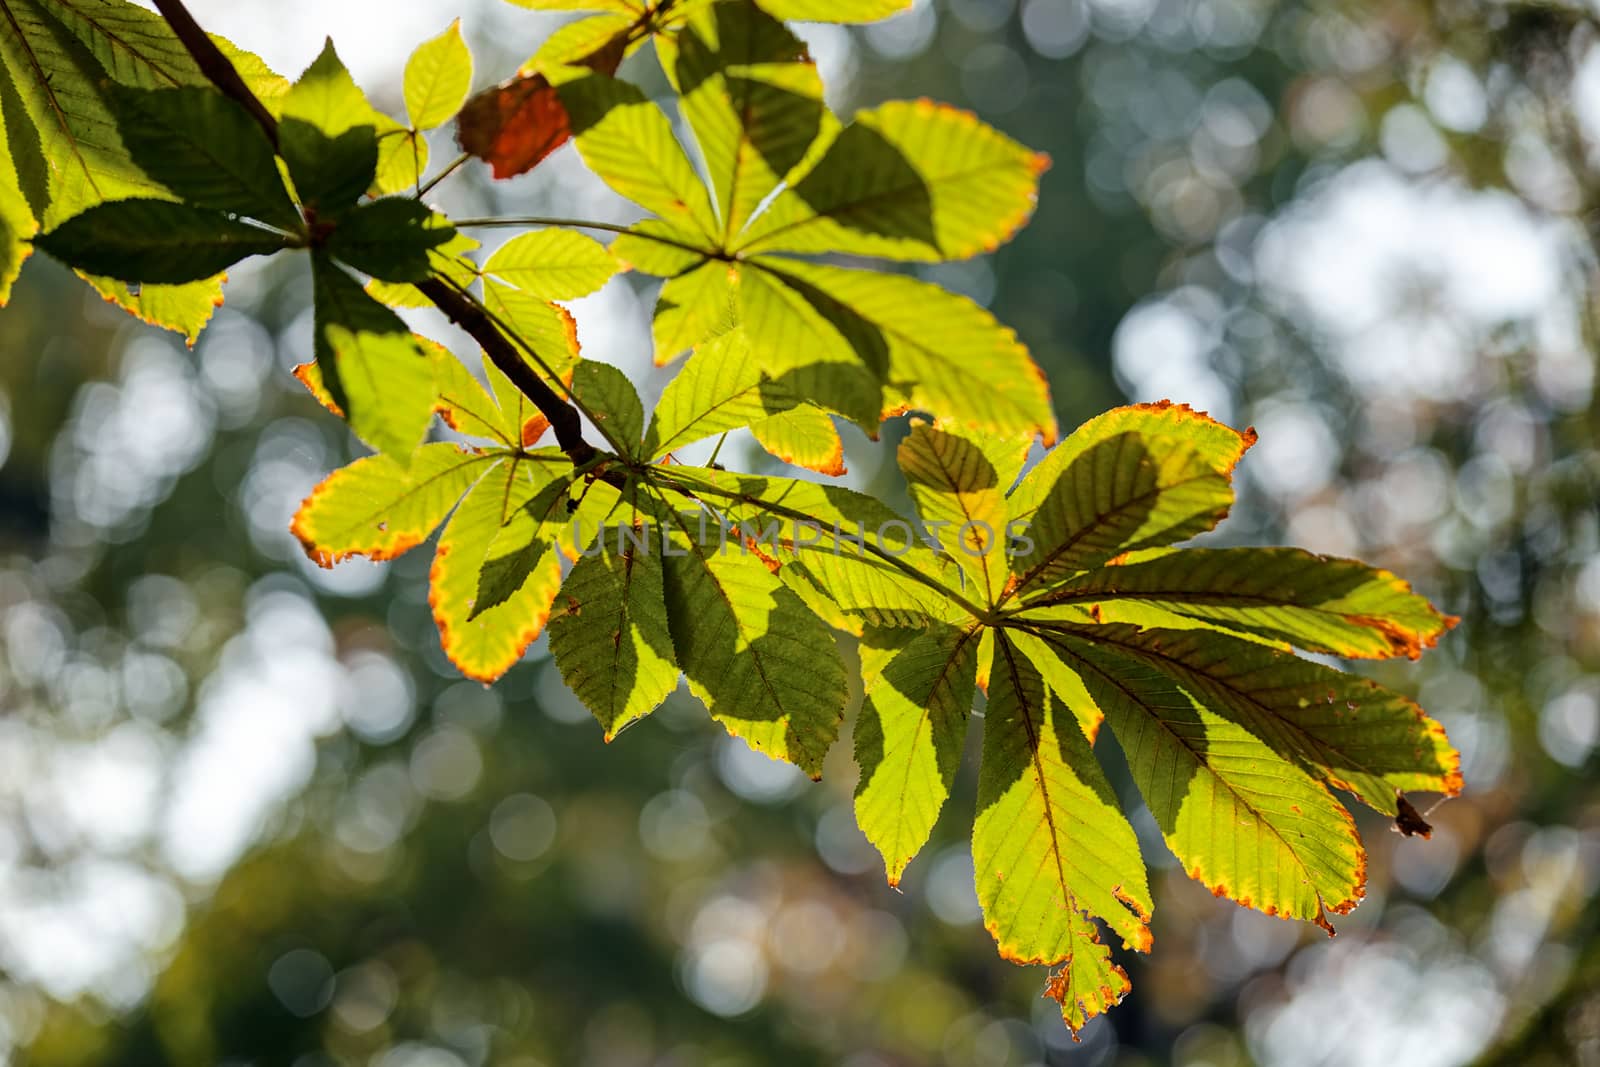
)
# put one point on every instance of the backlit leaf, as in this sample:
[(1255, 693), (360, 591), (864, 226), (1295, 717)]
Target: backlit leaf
[(391, 239), (485, 644), (911, 733), (626, 140), (952, 482), (553, 264), (910, 180), (156, 241), (938, 352), (1318, 603), (754, 100), (1136, 477), (1244, 821), (766, 667), (371, 364), (719, 389), (1049, 841), (438, 77), (609, 635), (328, 136), (803, 437), (379, 509), (184, 308), (693, 308)]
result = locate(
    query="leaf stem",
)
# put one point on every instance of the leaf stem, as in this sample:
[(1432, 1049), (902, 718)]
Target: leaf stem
[(217, 68), (457, 305), (455, 165)]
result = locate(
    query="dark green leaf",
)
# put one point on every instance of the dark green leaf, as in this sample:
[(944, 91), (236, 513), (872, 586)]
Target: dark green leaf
[(156, 241), (390, 239)]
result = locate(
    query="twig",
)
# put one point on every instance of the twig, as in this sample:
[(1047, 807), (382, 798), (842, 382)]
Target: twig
[(463, 312), (502, 353), (214, 65)]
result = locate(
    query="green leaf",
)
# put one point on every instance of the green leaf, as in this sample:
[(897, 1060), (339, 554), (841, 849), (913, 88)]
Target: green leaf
[(156, 241), (468, 408), (378, 508), (610, 398), (1244, 821), (370, 363), (1318, 603), (765, 666), (452, 259), (562, 518), (17, 224), (625, 6), (803, 437), (206, 149), (719, 389), (610, 638), (185, 308), (835, 10), (654, 246), (952, 482), (328, 136), (553, 264), (910, 180), (754, 100), (391, 239), (626, 140), (438, 78), (1049, 842), (694, 308), (547, 328), (799, 344), (576, 41), (485, 643), (1133, 478), (1346, 730), (402, 159), (911, 733), (940, 352), (860, 552)]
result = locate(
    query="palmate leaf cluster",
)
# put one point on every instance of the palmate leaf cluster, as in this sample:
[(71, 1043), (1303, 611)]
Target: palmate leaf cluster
[(1057, 590)]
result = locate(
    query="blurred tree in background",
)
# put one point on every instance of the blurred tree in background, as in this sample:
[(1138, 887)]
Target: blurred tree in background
[(252, 816)]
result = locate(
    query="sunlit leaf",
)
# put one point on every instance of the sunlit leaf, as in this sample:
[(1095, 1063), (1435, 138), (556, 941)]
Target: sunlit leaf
[(1049, 842), (1318, 603), (910, 180), (609, 635), (626, 140), (1244, 821), (328, 136), (754, 100), (693, 308), (937, 352), (611, 399), (438, 77), (718, 389), (553, 264), (952, 482), (911, 733), (379, 508), (372, 366), (766, 667), (184, 308), (1136, 477), (804, 436)]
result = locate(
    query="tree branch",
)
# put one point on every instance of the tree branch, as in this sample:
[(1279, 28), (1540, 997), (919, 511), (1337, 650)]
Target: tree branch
[(503, 354), (563, 417), (217, 68)]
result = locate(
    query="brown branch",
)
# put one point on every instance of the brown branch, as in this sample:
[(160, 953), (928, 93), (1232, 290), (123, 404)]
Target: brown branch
[(214, 65), (503, 354), (563, 417)]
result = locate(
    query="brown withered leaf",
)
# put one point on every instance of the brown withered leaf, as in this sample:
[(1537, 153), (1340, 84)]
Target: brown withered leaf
[(1410, 822), (515, 126)]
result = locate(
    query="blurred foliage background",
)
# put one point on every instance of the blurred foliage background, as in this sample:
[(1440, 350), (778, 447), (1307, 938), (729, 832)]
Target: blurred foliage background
[(249, 815)]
